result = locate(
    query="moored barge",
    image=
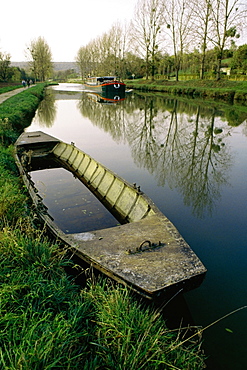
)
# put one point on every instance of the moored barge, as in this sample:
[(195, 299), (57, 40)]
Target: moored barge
[(105, 84)]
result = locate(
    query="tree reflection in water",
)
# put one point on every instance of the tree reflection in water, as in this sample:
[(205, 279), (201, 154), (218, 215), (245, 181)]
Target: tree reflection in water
[(181, 143)]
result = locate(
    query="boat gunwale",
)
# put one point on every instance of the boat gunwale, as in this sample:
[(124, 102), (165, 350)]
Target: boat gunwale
[(95, 191)]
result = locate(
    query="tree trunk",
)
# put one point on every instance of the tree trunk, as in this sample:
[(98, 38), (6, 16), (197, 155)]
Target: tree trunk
[(202, 69), (219, 60), (147, 66)]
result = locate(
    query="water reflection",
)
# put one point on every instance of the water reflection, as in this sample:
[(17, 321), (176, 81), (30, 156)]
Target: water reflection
[(181, 144), (47, 110), (185, 152), (72, 206), (110, 118)]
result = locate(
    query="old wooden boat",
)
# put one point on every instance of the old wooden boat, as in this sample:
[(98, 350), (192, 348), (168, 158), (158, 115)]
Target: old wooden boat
[(146, 252), (105, 84)]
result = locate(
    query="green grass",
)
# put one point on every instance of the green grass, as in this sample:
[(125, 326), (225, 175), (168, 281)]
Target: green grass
[(132, 336), (43, 319), (12, 197)]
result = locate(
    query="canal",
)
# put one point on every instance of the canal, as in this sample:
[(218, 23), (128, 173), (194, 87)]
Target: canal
[(190, 158)]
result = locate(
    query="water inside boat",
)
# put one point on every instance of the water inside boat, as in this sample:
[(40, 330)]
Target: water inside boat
[(71, 204)]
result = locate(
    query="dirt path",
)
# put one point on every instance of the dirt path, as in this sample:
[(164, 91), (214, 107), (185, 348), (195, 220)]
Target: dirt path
[(8, 94)]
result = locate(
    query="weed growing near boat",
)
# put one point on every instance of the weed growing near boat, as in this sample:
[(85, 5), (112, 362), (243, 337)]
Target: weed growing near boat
[(12, 197), (131, 336)]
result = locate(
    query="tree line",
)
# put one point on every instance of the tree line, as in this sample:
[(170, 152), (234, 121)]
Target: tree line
[(161, 37), (164, 38)]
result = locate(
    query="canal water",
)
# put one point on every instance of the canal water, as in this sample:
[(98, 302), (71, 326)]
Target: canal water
[(190, 158)]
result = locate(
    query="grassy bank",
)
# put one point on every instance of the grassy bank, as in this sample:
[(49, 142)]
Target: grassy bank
[(4, 89), (223, 89), (17, 112), (49, 322)]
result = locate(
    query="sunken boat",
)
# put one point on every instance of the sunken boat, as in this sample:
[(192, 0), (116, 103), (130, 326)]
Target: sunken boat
[(145, 252)]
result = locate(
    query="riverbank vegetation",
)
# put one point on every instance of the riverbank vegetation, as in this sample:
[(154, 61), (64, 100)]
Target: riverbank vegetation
[(49, 322), (223, 89)]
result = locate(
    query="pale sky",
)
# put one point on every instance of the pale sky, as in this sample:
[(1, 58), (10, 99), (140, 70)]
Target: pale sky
[(65, 25)]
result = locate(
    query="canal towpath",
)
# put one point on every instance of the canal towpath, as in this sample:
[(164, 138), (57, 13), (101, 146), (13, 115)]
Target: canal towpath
[(11, 93)]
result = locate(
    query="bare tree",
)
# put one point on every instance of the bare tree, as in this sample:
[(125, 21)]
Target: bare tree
[(228, 16), (124, 48), (118, 38), (146, 31), (95, 56), (201, 12), (40, 58), (89, 58), (104, 54), (83, 60), (178, 16)]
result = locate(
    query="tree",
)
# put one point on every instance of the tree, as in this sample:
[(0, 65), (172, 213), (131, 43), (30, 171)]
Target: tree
[(201, 12), (227, 18), (239, 60), (192, 61), (167, 63), (40, 58), (83, 60), (94, 58), (5, 71), (14, 74), (134, 66), (104, 54), (146, 28), (117, 48), (178, 16)]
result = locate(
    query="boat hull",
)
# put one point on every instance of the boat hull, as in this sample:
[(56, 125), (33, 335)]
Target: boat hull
[(109, 88)]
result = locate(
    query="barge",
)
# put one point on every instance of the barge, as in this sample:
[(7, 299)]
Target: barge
[(105, 84)]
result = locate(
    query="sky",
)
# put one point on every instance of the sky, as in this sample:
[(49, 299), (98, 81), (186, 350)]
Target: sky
[(65, 25)]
